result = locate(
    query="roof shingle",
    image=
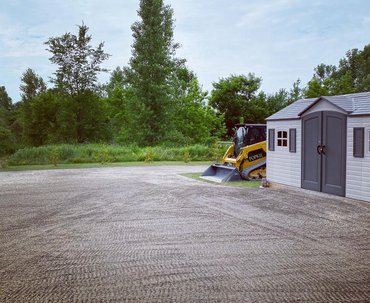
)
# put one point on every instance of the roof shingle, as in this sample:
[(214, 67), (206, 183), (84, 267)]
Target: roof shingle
[(353, 104)]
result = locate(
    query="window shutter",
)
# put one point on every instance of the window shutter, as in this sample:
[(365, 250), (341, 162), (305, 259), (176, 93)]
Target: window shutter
[(271, 139), (292, 140), (358, 142)]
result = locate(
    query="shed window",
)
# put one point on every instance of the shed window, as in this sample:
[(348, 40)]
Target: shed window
[(282, 138)]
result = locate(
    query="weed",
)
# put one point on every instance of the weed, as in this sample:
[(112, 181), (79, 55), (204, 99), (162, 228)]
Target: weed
[(54, 156), (217, 152), (186, 156), (99, 153), (4, 163), (103, 155), (149, 155)]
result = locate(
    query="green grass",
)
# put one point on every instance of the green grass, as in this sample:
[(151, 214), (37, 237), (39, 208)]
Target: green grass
[(245, 184), (104, 153), (97, 165)]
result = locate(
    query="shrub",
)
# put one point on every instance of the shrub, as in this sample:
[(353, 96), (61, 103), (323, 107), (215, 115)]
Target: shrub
[(149, 155), (186, 156), (3, 163), (102, 153), (54, 156)]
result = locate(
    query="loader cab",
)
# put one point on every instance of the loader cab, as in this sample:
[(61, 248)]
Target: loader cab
[(248, 134)]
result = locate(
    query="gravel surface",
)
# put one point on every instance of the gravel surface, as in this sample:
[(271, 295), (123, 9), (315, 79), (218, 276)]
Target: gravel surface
[(148, 234)]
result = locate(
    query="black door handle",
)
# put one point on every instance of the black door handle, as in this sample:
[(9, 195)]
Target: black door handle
[(323, 149), (319, 149)]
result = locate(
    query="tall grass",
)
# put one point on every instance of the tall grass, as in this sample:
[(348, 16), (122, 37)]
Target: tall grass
[(102, 153)]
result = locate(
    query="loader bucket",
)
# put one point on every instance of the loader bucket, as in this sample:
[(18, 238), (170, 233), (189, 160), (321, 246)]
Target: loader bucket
[(221, 173)]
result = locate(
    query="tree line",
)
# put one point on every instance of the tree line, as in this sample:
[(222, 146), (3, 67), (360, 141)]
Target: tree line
[(155, 99)]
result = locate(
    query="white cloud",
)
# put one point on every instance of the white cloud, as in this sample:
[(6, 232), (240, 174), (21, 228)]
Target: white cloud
[(279, 40)]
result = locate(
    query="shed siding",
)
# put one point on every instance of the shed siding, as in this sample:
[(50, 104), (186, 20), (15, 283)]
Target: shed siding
[(283, 166), (358, 169), (323, 105)]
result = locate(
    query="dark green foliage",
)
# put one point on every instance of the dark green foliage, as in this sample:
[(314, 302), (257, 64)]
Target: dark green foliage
[(100, 153), (150, 70), (52, 118), (91, 122), (155, 101), (234, 96), (32, 85), (118, 108), (78, 62), (282, 98), (76, 82), (7, 139), (5, 100), (194, 121), (352, 75)]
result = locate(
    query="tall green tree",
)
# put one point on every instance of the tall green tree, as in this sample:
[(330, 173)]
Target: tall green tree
[(31, 86), (118, 107), (194, 121), (351, 75), (6, 137), (79, 64), (296, 92), (150, 70), (53, 118), (233, 96), (5, 100)]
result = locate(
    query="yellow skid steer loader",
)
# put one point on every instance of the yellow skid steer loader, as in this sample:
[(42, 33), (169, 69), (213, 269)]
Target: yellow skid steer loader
[(245, 159)]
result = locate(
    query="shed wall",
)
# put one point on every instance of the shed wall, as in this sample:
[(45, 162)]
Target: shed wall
[(358, 169), (283, 166), (323, 106)]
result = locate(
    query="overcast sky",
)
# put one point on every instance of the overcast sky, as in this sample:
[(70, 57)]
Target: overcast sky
[(278, 40)]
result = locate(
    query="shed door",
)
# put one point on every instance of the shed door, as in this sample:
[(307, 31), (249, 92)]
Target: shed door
[(311, 159), (324, 152), (334, 153)]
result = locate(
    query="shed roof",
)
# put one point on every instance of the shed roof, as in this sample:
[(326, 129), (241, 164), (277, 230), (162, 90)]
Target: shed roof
[(353, 104)]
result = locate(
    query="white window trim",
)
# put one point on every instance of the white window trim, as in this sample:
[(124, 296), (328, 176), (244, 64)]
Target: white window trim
[(367, 140), (277, 138)]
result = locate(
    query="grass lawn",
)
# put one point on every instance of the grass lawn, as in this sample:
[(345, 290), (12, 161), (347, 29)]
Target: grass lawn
[(247, 184), (99, 165)]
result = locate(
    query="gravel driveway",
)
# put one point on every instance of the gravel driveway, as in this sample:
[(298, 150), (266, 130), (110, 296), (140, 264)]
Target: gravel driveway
[(148, 234)]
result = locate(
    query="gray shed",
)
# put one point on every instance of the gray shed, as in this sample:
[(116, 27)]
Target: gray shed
[(322, 144)]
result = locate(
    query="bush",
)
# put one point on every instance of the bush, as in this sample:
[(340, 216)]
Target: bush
[(54, 156), (149, 155), (3, 163), (187, 156), (102, 153)]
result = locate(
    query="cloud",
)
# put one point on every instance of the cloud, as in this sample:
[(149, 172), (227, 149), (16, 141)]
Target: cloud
[(279, 40)]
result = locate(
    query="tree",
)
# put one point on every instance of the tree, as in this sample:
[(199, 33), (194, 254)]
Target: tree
[(295, 93), (5, 100), (76, 77), (32, 85), (233, 96), (352, 75), (150, 70), (194, 121), (6, 137), (118, 107), (322, 82), (78, 62)]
